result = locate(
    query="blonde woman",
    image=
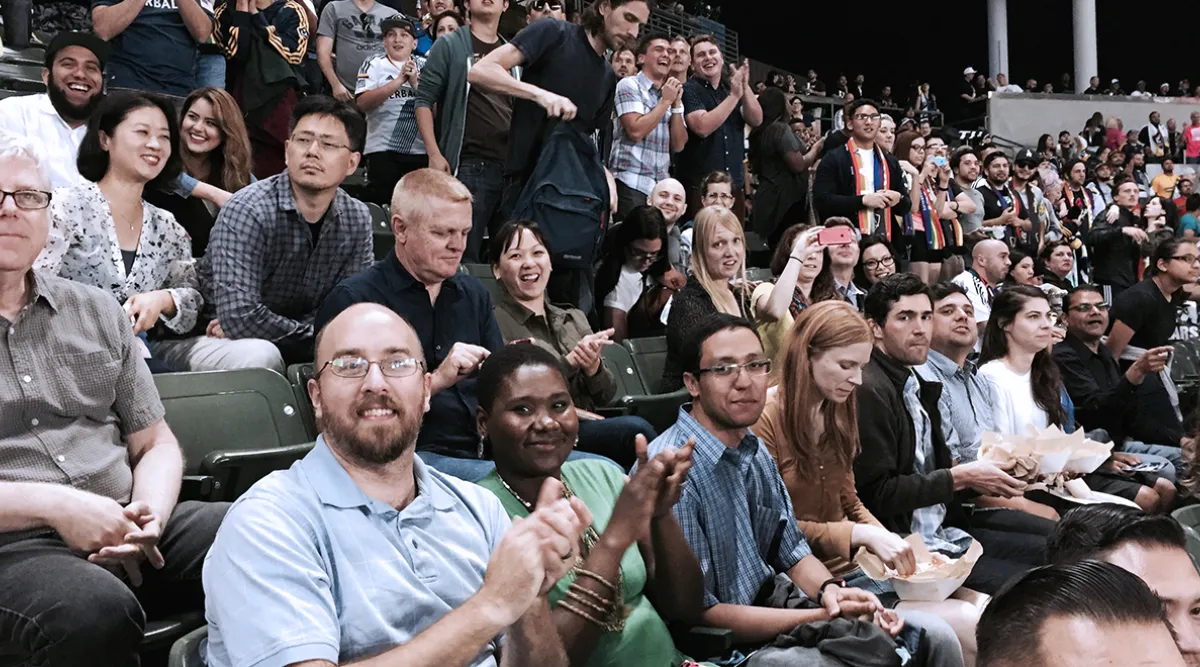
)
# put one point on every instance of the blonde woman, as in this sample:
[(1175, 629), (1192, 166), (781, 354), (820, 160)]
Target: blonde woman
[(810, 427), (717, 284)]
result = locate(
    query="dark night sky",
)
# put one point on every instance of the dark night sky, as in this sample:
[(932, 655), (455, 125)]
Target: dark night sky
[(942, 38)]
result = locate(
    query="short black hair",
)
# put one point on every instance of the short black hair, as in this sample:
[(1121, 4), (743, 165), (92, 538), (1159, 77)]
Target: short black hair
[(353, 120), (1193, 202), (693, 344), (993, 156), (858, 104), (1095, 289), (1086, 532), (1166, 249), (1050, 247), (509, 233), (1101, 592), (958, 154), (644, 44), (941, 290), (885, 293), (93, 160), (507, 360)]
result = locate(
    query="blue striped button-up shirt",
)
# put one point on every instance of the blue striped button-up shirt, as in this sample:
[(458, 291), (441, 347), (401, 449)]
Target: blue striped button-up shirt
[(966, 404), (735, 513)]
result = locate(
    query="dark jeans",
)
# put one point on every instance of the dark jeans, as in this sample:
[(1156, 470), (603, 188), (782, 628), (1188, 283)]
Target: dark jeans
[(485, 180), (1013, 542), (386, 169), (627, 200), (57, 609), (614, 438)]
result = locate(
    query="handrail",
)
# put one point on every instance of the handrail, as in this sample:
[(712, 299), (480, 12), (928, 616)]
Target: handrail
[(677, 23)]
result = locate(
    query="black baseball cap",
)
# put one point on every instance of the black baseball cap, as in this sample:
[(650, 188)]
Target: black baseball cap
[(87, 40), (1026, 156), (398, 21)]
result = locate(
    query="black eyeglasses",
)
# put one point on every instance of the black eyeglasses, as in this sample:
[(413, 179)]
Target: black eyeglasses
[(1187, 259), (872, 264), (27, 200), (357, 367)]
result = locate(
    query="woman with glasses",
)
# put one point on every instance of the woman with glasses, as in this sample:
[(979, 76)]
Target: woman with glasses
[(635, 256), (802, 277), (104, 234), (717, 285), (877, 260), (809, 426), (634, 551)]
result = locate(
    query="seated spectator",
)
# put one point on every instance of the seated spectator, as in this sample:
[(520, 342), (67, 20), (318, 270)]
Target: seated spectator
[(1085, 613), (738, 522), (154, 44), (1152, 547), (473, 585), (820, 369), (1189, 222), (267, 46), (627, 280), (215, 150), (447, 23), (990, 262), (451, 312), (669, 197), (857, 180), (58, 118), (90, 472), (1115, 243), (905, 473), (649, 127), (877, 260), (386, 92), (628, 629), (716, 189), (781, 162), (842, 260), (523, 312), (280, 246), (1058, 264), (1021, 270), (347, 35), (720, 258), (1028, 389), (802, 278), (103, 234)]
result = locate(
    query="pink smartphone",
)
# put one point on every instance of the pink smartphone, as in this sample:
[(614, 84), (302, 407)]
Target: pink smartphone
[(836, 236)]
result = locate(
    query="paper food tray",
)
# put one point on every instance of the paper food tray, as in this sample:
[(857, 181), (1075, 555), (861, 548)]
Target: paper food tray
[(933, 585), (1051, 450)]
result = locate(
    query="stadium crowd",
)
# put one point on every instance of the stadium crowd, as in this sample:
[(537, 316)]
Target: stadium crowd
[(174, 202)]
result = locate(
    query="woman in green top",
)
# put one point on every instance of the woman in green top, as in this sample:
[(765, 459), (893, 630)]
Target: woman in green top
[(602, 608)]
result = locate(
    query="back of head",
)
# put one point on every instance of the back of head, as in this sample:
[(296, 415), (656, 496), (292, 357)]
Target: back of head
[(1009, 633), (1091, 531), (885, 293)]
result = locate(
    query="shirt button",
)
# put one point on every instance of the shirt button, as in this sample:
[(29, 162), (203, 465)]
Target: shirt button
[(61, 458), (26, 379), (34, 422), (437, 347), (12, 330)]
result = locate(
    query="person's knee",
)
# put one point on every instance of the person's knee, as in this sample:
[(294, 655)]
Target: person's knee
[(1166, 493), (100, 617), (257, 354), (1147, 499), (940, 638)]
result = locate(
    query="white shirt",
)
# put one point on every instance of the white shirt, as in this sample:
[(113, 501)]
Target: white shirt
[(33, 116), (392, 126), (978, 295), (1013, 406), (1010, 88), (627, 292)]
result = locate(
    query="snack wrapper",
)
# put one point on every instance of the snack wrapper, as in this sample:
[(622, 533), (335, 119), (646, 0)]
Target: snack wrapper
[(1048, 452), (936, 577)]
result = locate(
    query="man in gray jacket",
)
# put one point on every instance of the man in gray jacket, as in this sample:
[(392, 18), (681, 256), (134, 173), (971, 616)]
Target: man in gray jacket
[(472, 143)]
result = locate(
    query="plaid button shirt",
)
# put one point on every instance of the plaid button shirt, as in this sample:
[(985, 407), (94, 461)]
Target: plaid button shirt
[(262, 277), (735, 512), (966, 404), (928, 521), (640, 164)]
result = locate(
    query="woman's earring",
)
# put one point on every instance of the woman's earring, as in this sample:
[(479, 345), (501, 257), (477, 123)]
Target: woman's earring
[(576, 443)]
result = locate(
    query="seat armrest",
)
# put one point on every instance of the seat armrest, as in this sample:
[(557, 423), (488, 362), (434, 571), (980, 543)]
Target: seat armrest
[(701, 642)]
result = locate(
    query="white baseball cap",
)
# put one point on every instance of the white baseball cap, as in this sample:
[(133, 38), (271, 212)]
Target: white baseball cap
[(968, 71)]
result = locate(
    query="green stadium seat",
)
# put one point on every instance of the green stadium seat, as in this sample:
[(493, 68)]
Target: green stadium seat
[(760, 275), (661, 410), (483, 272), (161, 635), (1189, 518), (187, 651), (618, 360), (649, 357), (298, 376), (381, 229)]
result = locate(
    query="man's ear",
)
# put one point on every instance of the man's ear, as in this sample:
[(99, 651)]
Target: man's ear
[(481, 416), (876, 330), (314, 395), (692, 383)]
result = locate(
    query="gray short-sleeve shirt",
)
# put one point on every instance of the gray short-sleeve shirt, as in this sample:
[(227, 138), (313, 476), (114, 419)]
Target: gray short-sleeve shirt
[(356, 36)]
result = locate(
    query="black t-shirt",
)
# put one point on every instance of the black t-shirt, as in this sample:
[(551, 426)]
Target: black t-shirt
[(559, 59), (1143, 309), (489, 115)]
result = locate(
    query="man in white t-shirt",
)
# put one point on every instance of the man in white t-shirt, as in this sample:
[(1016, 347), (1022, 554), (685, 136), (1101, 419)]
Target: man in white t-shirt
[(387, 92), (989, 265)]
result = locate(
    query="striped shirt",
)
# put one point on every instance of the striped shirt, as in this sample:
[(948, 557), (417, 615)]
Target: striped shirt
[(735, 512), (640, 164), (966, 404)]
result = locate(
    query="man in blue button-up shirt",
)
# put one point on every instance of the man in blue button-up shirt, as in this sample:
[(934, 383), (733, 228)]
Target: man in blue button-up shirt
[(362, 551)]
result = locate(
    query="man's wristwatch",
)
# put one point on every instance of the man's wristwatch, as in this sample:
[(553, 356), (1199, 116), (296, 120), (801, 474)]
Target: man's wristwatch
[(836, 581)]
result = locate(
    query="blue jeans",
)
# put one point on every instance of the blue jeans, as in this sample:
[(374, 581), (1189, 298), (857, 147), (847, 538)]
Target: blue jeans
[(485, 180), (473, 470), (210, 70), (1172, 456), (614, 438)]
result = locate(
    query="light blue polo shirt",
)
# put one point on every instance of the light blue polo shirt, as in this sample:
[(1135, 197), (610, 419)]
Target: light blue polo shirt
[(307, 567)]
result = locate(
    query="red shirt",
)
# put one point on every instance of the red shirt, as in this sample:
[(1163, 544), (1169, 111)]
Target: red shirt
[(1191, 136)]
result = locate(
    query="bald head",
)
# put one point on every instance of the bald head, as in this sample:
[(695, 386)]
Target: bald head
[(361, 327), (670, 198), (990, 260)]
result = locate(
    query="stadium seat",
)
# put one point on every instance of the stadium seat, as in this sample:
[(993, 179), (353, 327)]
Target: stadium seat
[(225, 411), (1189, 518), (661, 410), (649, 357), (757, 274), (483, 272), (618, 360), (160, 636), (188, 651), (298, 376), (381, 228)]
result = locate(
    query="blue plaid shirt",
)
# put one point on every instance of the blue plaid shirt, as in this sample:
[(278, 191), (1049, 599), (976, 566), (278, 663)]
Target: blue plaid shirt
[(966, 404), (640, 164), (735, 513), (928, 521)]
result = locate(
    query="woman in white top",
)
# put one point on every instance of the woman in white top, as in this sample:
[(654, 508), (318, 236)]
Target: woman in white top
[(637, 253)]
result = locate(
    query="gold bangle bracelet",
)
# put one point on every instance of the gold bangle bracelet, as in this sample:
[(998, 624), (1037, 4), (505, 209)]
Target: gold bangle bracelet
[(592, 594), (580, 613), (593, 575), (589, 604)]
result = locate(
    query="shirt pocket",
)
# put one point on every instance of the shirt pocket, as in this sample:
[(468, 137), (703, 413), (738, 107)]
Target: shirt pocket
[(768, 524), (84, 384)]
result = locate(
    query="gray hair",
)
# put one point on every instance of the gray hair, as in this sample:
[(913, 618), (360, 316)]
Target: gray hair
[(12, 145)]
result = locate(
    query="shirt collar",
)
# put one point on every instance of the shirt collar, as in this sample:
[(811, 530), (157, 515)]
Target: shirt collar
[(40, 290), (287, 199), (335, 487), (945, 364), (519, 312), (403, 280), (1081, 349), (708, 447)]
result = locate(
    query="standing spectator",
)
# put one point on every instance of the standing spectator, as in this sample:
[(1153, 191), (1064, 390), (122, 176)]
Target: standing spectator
[(964, 163), (386, 92), (813, 85), (266, 42), (859, 88), (1077, 210), (350, 31), (1114, 88), (885, 98), (1191, 140), (1101, 186), (281, 245), (1115, 243), (74, 76), (1154, 137), (681, 59), (650, 126), (154, 43), (781, 161), (718, 110), (624, 62), (857, 180), (564, 75), (967, 95), (471, 137), (1163, 185), (1002, 210), (1174, 141)]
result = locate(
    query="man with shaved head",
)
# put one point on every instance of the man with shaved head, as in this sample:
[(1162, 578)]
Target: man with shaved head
[(669, 197), (989, 265), (361, 551)]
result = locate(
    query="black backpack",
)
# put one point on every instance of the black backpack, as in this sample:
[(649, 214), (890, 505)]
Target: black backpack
[(567, 196)]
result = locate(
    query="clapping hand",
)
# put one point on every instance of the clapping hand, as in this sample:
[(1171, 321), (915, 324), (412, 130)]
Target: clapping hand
[(586, 355)]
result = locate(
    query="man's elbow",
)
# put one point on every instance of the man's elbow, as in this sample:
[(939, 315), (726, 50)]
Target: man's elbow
[(102, 27)]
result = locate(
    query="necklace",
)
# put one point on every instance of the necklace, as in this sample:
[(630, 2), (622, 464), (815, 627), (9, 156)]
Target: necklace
[(590, 536)]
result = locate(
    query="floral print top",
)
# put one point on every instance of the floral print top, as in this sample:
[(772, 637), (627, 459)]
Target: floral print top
[(83, 247)]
